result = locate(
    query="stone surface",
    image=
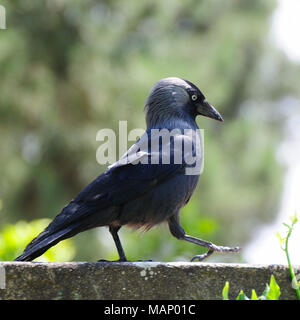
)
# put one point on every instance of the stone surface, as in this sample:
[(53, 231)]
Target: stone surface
[(137, 280)]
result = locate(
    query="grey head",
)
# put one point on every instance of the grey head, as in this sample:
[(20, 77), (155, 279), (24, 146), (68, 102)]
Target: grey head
[(174, 99)]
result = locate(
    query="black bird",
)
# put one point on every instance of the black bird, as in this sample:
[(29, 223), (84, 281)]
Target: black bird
[(138, 191)]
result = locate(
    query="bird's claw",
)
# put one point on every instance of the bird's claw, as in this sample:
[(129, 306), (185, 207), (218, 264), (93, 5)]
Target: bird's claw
[(201, 257)]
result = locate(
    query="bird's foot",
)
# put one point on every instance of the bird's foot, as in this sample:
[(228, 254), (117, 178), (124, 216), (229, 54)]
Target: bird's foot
[(123, 260), (201, 257)]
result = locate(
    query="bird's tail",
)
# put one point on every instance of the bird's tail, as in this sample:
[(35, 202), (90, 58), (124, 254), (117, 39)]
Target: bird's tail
[(44, 241)]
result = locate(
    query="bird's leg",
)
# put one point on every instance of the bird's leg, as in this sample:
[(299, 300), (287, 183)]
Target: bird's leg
[(178, 232), (114, 232)]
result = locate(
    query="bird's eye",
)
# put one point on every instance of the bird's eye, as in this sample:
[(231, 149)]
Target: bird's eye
[(194, 97)]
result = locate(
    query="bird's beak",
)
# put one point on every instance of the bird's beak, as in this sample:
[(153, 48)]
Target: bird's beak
[(207, 110)]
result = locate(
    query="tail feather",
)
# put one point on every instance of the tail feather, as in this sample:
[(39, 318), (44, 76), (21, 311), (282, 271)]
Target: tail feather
[(65, 225), (43, 242)]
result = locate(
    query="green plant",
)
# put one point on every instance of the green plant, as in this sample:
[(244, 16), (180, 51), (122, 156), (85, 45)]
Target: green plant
[(271, 292), (284, 242)]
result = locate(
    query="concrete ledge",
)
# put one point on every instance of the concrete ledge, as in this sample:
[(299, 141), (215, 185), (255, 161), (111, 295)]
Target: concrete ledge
[(137, 280)]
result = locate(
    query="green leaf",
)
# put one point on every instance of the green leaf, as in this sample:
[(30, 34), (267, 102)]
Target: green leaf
[(274, 290), (225, 291), (242, 296), (294, 218), (265, 293), (286, 225), (253, 295), (281, 240)]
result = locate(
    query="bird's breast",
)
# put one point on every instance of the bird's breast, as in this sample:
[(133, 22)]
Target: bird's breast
[(159, 203)]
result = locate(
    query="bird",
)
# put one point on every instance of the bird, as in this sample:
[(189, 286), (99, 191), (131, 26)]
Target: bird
[(141, 190)]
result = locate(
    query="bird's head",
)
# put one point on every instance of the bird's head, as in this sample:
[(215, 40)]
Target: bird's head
[(173, 98)]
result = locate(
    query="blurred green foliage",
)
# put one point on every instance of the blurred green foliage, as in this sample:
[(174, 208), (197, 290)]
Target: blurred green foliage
[(14, 237), (70, 68)]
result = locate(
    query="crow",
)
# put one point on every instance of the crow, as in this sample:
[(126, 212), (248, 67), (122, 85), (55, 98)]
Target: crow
[(150, 183)]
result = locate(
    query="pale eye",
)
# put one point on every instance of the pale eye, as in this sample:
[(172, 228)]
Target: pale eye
[(194, 97)]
